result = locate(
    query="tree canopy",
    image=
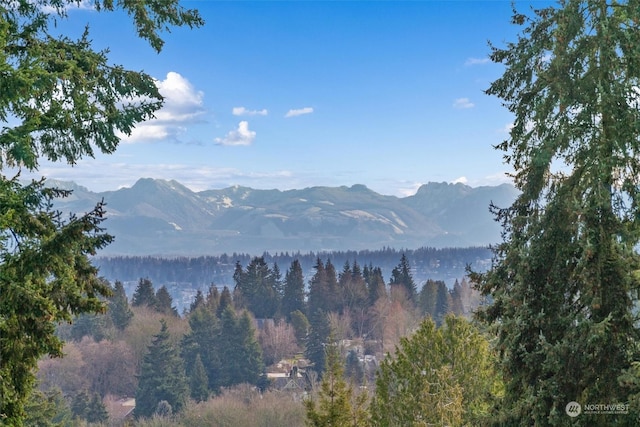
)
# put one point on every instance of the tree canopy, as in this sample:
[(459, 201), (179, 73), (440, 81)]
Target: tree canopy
[(60, 100), (563, 277)]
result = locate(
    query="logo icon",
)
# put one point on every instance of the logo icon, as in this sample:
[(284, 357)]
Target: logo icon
[(573, 409)]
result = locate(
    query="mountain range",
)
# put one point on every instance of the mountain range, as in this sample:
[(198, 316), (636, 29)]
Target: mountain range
[(159, 217)]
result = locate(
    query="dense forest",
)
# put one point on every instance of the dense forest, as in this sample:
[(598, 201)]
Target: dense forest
[(192, 273), (268, 331)]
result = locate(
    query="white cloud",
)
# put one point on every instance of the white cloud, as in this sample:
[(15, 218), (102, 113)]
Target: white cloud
[(507, 128), (299, 112), (477, 61), (182, 104), (240, 136), (462, 103), (461, 180), (82, 4), (406, 190), (241, 111)]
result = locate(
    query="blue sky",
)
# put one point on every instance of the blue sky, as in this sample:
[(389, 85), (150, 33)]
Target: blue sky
[(284, 94)]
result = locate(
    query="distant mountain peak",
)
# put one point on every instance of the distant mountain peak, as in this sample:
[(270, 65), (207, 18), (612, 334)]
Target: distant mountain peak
[(160, 217)]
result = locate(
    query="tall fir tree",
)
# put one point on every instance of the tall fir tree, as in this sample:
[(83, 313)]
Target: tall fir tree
[(144, 294), (225, 301), (563, 277), (238, 350), (201, 342), (376, 287), (319, 331), (162, 377), (332, 407), (198, 381), (119, 310), (164, 302), (443, 303), (318, 290), (401, 276), (293, 298)]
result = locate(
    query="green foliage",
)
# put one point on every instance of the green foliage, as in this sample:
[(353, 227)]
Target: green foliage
[(90, 325), (333, 407), (376, 288), (436, 301), (300, 326), (47, 409), (201, 343), (293, 298), (45, 278), (563, 277), (89, 408), (438, 376), (225, 301), (257, 288), (317, 340), (238, 349), (164, 302), (119, 310), (144, 294), (199, 381), (227, 347), (162, 377), (401, 276)]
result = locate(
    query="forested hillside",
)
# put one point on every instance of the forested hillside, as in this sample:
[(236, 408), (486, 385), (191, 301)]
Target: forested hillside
[(183, 274)]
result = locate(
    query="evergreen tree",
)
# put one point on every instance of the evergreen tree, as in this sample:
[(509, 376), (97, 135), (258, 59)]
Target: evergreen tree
[(300, 325), (353, 289), (198, 301), (562, 278), (162, 377), (443, 303), (438, 376), (318, 289), (428, 298), (119, 310), (317, 340), (238, 349), (199, 381), (333, 289), (456, 299), (47, 409), (376, 288), (249, 352), (213, 298), (90, 325), (80, 405), (46, 276), (401, 276), (333, 407), (164, 302), (201, 342), (96, 411), (293, 298), (225, 301), (144, 295)]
